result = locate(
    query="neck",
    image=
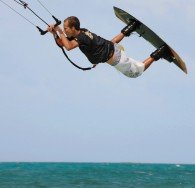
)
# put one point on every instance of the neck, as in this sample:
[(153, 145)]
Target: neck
[(77, 32)]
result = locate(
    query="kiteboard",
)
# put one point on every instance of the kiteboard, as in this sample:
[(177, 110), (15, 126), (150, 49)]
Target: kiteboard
[(151, 37)]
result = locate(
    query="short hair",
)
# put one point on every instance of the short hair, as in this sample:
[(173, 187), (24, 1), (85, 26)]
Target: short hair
[(73, 21)]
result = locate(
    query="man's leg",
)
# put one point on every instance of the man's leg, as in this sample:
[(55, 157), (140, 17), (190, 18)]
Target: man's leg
[(156, 55), (118, 38), (148, 62), (126, 31)]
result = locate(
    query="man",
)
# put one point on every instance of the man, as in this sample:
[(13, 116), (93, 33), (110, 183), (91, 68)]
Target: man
[(100, 50)]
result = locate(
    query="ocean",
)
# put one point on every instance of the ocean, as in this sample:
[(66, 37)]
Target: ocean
[(96, 175)]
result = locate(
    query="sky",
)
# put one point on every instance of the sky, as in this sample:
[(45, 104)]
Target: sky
[(52, 112)]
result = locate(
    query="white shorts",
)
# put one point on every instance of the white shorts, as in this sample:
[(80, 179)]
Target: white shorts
[(128, 66)]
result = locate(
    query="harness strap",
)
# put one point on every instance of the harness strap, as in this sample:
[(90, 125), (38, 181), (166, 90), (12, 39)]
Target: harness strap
[(81, 68)]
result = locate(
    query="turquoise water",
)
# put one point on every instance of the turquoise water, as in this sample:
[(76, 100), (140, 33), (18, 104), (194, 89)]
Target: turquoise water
[(103, 175)]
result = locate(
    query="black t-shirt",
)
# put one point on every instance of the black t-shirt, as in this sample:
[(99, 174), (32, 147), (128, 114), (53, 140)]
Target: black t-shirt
[(96, 48)]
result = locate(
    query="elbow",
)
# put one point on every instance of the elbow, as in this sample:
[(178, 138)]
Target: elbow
[(68, 48)]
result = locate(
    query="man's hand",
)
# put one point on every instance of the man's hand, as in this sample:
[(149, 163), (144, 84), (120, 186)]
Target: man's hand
[(53, 29)]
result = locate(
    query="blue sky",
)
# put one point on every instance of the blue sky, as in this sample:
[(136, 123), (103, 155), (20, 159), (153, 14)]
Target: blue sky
[(50, 111)]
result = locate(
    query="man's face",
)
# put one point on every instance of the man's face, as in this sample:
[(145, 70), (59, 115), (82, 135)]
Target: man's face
[(68, 31)]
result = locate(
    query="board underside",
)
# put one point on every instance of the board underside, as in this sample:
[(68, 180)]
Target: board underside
[(150, 36)]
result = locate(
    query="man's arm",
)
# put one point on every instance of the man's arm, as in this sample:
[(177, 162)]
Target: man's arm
[(62, 40), (69, 45), (57, 39)]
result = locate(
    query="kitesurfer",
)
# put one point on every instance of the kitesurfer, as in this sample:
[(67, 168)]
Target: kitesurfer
[(100, 50)]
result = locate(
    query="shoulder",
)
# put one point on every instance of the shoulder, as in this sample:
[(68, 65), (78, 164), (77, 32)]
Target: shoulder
[(84, 37)]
